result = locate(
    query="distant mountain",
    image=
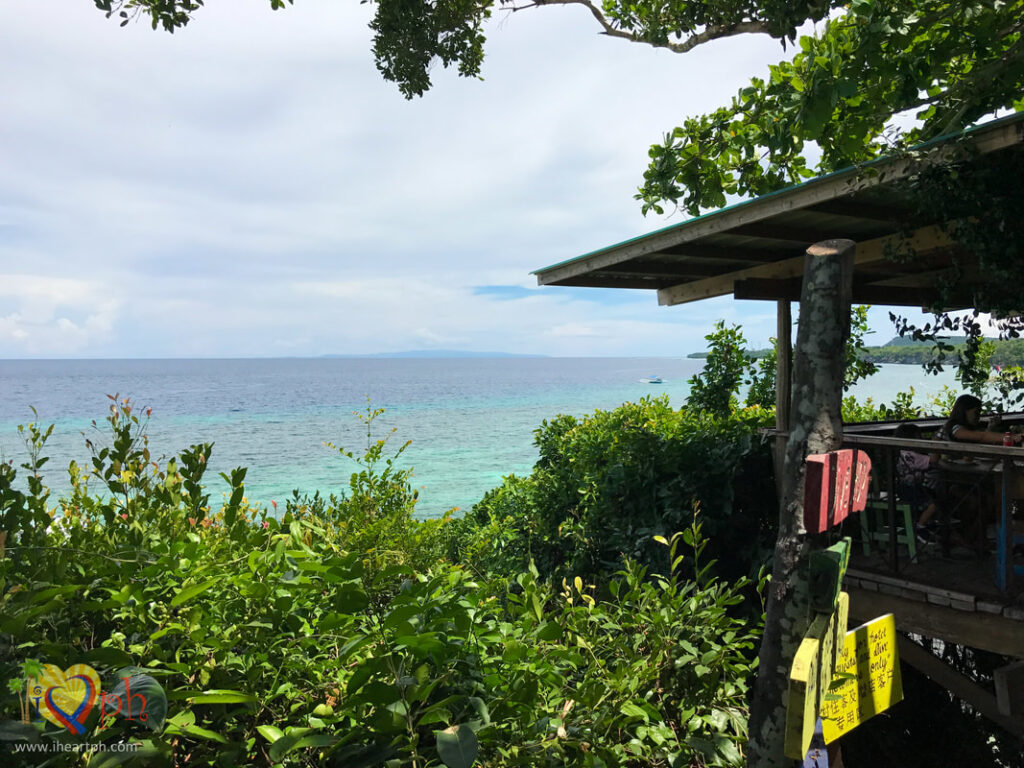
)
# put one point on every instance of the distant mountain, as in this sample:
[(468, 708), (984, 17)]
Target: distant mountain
[(752, 354), (425, 353), (907, 341), (909, 352)]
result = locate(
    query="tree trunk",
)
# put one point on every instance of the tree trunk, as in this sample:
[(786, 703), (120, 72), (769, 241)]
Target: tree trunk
[(815, 427)]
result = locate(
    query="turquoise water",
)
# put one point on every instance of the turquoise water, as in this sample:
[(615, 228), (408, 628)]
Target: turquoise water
[(471, 421)]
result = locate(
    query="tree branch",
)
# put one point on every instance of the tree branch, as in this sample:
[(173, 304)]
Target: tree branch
[(717, 32), (710, 33)]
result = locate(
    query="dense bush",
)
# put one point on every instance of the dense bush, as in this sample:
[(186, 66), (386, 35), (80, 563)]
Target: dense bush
[(605, 484), (335, 636)]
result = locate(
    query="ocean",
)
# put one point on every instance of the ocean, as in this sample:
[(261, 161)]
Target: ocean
[(470, 420)]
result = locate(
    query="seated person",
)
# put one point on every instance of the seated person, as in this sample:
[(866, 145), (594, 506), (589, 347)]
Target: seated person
[(964, 424), (917, 483)]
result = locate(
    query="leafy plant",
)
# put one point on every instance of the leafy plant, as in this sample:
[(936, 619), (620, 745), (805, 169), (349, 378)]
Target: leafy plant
[(310, 639), (714, 389), (605, 484)]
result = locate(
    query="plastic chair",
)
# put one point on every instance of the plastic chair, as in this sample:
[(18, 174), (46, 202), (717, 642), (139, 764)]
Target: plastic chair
[(874, 524)]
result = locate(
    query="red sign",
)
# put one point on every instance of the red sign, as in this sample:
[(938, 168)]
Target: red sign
[(835, 485)]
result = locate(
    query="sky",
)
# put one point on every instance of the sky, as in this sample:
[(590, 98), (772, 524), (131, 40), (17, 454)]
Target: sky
[(251, 186)]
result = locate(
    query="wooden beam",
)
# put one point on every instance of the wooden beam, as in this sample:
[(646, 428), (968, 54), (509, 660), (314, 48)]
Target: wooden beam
[(757, 289), (855, 209), (722, 254), (679, 268), (987, 631), (610, 281), (960, 686), (868, 252), (783, 370), (926, 262), (977, 450), (1009, 682), (799, 236)]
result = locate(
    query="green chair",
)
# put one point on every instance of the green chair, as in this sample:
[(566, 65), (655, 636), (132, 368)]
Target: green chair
[(874, 525)]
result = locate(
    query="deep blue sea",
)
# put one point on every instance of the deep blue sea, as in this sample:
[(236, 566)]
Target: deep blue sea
[(470, 420)]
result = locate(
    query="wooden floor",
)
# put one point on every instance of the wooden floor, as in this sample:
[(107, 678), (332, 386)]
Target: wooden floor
[(953, 599)]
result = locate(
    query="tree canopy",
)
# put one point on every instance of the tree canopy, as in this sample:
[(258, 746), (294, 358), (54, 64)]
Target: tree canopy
[(947, 64)]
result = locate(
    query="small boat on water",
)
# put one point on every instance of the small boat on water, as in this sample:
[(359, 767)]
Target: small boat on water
[(653, 380)]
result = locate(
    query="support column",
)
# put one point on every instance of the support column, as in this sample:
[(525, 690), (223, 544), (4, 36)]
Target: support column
[(815, 427), (783, 365)]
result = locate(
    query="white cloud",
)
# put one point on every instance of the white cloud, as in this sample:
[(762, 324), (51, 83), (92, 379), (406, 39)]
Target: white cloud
[(251, 186), (41, 321)]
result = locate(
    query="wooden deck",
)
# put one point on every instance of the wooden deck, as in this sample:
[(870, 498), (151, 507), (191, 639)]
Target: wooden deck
[(955, 600)]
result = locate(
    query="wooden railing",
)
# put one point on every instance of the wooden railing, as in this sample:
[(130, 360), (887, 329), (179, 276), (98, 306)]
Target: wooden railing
[(1005, 460)]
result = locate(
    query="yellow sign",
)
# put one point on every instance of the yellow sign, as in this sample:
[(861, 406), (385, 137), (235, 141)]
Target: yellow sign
[(867, 678), (811, 674)]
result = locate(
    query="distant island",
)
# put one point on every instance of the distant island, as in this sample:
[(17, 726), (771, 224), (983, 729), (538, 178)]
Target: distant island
[(909, 352), (440, 353)]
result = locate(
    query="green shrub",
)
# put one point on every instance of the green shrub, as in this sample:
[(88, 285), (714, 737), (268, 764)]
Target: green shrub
[(282, 642), (605, 484)]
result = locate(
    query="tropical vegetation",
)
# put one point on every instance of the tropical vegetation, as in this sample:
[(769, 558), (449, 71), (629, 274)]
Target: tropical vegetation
[(603, 610), (339, 631)]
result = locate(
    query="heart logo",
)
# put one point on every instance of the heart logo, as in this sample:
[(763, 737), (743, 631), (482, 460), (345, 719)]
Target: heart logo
[(66, 697)]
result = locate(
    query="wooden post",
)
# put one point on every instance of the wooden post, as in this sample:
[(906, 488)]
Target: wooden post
[(1009, 682), (1004, 531), (815, 427), (890, 478), (783, 364)]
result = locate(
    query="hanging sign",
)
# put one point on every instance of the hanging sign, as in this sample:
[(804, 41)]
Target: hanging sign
[(867, 678), (835, 484), (811, 675)]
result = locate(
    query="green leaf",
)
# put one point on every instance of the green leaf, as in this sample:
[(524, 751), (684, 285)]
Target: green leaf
[(182, 718), (200, 733), (107, 656), (481, 709), (425, 643), (632, 710), (270, 732), (727, 748), (295, 739), (15, 730), (141, 698), (439, 715), (333, 621), (351, 599), (550, 631), (196, 589), (353, 645), (223, 697), (457, 746), (46, 594), (362, 755)]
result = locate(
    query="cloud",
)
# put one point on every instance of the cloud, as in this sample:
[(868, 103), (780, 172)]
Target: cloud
[(53, 315), (251, 186)]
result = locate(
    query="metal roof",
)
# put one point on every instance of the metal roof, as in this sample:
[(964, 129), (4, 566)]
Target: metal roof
[(754, 249)]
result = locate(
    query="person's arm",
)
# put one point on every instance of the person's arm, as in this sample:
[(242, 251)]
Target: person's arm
[(963, 434)]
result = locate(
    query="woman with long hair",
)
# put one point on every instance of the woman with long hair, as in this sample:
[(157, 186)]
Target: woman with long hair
[(964, 424)]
